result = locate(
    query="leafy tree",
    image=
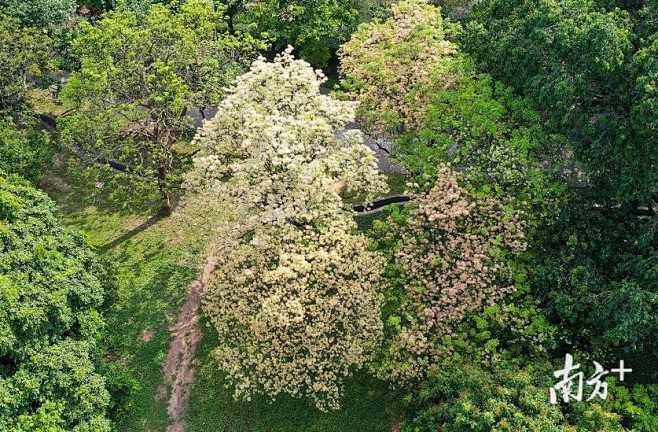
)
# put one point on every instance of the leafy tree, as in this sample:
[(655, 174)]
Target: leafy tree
[(25, 56), (22, 152), (314, 27), (139, 80), (638, 406), (52, 297), (507, 397), (393, 68), (42, 13), (590, 68), (573, 60), (296, 303), (451, 259), (596, 272), (495, 138)]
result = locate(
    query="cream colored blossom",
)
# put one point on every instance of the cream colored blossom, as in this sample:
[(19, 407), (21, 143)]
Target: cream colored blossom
[(297, 304), (304, 321), (393, 68)]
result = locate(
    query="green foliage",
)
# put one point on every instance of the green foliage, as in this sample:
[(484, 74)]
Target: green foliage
[(596, 272), (42, 13), (574, 60), (25, 53), (52, 299), (140, 77), (22, 152), (506, 397), (315, 27), (496, 139), (637, 405)]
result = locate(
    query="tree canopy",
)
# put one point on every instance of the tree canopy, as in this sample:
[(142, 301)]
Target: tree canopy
[(53, 291), (41, 14), (25, 56), (316, 28), (394, 67), (584, 66), (308, 285), (140, 79)]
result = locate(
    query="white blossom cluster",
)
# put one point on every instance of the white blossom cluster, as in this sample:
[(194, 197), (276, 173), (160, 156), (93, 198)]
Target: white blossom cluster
[(296, 311), (298, 305), (273, 144)]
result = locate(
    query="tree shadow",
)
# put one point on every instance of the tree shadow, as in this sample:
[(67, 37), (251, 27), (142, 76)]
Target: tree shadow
[(132, 233)]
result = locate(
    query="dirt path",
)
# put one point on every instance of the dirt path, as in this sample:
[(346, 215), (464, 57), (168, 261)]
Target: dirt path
[(179, 368)]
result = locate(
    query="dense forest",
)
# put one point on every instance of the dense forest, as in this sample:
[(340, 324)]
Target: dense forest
[(328, 215)]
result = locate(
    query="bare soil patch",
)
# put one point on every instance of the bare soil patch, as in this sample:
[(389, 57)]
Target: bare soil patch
[(179, 368)]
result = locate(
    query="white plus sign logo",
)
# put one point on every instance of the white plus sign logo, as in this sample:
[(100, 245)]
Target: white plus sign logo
[(621, 370)]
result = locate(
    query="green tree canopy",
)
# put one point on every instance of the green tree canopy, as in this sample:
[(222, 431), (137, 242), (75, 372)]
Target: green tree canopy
[(25, 57), (140, 78), (316, 27), (42, 13), (596, 272), (22, 152), (466, 397), (575, 60), (52, 296)]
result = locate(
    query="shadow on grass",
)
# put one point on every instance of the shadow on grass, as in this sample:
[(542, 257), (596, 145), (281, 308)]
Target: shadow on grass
[(368, 405), (147, 296), (132, 233)]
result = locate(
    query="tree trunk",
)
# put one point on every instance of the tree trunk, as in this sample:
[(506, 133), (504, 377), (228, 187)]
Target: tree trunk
[(163, 186)]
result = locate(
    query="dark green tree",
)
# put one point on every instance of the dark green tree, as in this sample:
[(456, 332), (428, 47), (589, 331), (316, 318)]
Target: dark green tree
[(42, 13), (53, 293), (315, 27), (22, 152), (596, 271), (574, 60)]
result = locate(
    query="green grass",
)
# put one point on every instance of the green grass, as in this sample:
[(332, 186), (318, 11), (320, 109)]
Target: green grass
[(154, 274), (154, 266), (368, 406)]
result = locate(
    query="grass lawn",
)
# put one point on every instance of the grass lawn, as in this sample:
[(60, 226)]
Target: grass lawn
[(154, 261), (368, 406), (154, 265)]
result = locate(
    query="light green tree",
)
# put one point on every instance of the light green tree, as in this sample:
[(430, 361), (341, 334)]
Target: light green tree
[(25, 54), (140, 78)]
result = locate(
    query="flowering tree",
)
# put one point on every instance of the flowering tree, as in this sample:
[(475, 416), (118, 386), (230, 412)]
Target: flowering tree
[(451, 255), (393, 68), (297, 306), (296, 309), (273, 145)]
